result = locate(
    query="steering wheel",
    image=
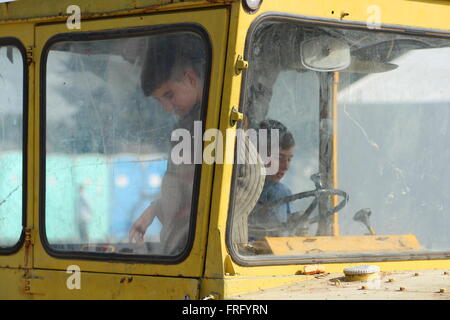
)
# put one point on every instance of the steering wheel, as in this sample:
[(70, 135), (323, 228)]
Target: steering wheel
[(320, 193)]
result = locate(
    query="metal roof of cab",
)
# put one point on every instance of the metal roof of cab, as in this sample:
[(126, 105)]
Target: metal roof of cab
[(55, 10)]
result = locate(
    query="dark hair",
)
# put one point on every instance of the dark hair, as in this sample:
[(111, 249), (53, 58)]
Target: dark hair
[(286, 138), (168, 56)]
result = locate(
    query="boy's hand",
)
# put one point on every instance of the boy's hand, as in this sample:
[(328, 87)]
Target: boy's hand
[(138, 229)]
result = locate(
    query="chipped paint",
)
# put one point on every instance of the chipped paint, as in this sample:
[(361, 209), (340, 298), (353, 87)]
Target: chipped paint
[(55, 10)]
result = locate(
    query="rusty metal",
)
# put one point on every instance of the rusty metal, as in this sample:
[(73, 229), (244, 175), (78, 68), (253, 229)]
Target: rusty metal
[(30, 55), (13, 13), (28, 244)]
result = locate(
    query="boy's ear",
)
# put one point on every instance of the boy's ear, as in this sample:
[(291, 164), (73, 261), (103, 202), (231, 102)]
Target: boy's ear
[(191, 76)]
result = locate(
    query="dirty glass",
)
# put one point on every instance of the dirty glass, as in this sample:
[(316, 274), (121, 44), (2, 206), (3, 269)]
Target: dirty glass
[(112, 107), (364, 129), (11, 145)]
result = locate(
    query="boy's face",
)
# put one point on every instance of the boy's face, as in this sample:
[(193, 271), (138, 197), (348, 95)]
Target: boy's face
[(180, 96), (284, 163)]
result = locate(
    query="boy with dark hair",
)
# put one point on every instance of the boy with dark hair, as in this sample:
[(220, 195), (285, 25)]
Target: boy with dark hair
[(272, 221), (173, 74)]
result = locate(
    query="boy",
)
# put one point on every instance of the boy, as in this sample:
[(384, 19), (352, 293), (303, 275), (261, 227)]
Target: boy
[(272, 222), (173, 74)]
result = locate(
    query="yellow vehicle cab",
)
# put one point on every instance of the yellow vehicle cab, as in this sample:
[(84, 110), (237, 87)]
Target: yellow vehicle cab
[(224, 149)]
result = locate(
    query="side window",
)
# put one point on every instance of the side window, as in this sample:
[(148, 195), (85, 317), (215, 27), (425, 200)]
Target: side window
[(115, 111), (11, 145)]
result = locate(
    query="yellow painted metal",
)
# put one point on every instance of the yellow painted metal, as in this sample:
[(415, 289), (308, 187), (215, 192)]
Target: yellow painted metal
[(426, 14), (343, 244), (215, 21), (403, 13), (335, 88), (293, 273), (57, 10), (228, 29), (340, 244), (217, 251), (12, 284), (233, 286), (397, 285), (25, 34), (421, 14), (51, 284)]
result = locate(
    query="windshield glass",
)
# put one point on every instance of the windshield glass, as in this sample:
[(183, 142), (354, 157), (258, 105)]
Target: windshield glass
[(362, 122)]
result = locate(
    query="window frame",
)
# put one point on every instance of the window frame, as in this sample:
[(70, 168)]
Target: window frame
[(12, 41), (267, 260), (117, 34)]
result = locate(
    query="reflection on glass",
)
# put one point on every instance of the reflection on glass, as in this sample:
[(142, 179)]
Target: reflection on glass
[(108, 143), (11, 135), (366, 173)]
